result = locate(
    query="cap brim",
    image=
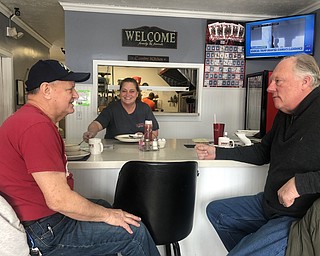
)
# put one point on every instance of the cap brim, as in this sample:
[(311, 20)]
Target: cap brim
[(76, 77)]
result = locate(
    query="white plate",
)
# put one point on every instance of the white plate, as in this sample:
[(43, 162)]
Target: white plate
[(249, 133), (200, 140), (81, 154), (128, 137)]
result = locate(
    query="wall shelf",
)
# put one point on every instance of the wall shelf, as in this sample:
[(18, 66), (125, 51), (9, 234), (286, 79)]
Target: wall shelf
[(155, 88)]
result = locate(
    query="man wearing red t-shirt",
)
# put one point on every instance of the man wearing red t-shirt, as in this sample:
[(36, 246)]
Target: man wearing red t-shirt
[(35, 180)]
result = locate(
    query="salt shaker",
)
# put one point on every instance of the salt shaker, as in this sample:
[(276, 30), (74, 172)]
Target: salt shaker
[(155, 144)]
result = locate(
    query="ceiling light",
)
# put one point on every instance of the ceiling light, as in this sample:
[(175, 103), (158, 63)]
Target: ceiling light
[(12, 31)]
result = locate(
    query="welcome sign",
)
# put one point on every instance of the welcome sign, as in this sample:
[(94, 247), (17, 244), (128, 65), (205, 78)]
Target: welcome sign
[(152, 37)]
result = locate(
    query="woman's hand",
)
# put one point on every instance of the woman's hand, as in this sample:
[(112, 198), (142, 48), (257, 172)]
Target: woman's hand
[(88, 135), (93, 130), (205, 152)]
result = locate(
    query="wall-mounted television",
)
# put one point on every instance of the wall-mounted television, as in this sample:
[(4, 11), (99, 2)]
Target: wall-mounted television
[(280, 37)]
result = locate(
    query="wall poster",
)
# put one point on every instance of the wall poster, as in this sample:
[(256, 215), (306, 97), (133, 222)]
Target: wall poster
[(21, 92), (224, 54), (84, 98)]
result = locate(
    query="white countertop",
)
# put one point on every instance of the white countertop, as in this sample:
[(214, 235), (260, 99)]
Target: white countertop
[(121, 152)]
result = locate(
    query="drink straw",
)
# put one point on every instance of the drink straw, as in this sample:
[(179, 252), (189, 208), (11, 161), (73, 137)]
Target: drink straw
[(214, 118)]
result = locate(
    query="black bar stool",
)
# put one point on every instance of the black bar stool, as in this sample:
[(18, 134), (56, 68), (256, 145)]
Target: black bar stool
[(163, 195)]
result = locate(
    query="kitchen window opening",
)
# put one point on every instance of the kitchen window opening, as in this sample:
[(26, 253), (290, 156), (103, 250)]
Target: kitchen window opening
[(177, 86)]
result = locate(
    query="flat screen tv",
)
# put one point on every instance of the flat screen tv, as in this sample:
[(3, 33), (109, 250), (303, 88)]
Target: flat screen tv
[(280, 37)]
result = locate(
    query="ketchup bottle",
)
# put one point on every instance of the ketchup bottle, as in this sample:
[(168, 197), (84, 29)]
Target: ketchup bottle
[(148, 130)]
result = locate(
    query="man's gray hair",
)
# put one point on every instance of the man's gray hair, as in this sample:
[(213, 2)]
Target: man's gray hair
[(306, 65)]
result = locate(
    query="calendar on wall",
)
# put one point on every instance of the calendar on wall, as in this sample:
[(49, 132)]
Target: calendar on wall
[(224, 55)]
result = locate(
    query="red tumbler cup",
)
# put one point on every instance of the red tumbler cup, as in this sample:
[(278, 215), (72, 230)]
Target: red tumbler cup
[(218, 130)]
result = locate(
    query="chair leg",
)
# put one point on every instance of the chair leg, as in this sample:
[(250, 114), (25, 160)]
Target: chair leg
[(176, 249), (168, 249)]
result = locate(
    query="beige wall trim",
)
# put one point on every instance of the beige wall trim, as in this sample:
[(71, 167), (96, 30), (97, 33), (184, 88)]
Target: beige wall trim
[(159, 12), (173, 13)]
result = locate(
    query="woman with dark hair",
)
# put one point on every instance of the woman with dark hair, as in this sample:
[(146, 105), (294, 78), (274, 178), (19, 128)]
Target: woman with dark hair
[(126, 116)]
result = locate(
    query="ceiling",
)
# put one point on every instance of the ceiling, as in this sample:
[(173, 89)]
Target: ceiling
[(46, 17)]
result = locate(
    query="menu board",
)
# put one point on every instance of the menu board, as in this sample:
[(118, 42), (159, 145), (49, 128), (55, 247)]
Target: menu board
[(224, 55)]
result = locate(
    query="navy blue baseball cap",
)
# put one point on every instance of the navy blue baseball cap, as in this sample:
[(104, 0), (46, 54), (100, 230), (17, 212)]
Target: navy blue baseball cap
[(52, 70)]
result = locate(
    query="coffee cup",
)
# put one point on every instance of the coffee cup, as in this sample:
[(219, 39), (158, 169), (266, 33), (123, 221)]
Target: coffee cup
[(95, 146), (225, 142), (161, 143)]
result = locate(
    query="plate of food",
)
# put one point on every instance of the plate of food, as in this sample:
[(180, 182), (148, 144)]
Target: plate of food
[(77, 155), (129, 137)]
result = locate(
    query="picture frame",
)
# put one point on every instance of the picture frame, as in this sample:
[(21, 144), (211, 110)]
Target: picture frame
[(259, 107), (20, 89)]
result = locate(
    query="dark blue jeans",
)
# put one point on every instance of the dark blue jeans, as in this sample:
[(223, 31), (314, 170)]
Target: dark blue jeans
[(244, 229), (60, 235)]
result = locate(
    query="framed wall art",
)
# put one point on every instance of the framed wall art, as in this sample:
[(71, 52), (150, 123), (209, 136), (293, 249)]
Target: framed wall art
[(21, 92), (224, 54)]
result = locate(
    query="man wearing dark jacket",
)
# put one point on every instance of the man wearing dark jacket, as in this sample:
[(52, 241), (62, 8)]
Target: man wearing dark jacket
[(259, 224)]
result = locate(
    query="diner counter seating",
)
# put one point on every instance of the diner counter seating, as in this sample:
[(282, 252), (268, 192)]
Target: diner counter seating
[(96, 177)]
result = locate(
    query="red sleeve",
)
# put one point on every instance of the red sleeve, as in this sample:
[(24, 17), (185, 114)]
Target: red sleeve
[(43, 149)]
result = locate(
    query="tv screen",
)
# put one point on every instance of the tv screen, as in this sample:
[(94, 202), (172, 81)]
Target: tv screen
[(280, 37)]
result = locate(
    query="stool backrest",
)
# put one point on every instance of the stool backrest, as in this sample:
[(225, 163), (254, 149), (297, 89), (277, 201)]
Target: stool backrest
[(162, 194)]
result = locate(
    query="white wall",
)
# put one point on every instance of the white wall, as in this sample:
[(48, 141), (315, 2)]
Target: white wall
[(226, 103)]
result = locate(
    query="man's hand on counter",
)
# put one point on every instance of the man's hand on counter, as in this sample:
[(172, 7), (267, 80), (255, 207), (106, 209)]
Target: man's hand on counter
[(205, 152)]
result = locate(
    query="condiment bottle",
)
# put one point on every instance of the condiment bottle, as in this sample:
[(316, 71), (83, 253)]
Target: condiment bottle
[(148, 130), (155, 144), (147, 145), (141, 144)]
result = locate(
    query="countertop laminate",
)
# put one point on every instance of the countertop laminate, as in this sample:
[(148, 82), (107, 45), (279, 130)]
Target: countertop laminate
[(122, 152)]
